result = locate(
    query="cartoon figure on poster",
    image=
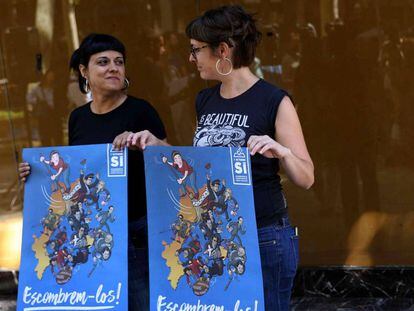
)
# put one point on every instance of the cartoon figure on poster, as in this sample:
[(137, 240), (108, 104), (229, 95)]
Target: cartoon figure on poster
[(72, 233), (74, 254), (203, 241)]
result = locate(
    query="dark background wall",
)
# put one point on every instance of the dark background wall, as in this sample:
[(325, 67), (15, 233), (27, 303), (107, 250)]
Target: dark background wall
[(347, 65)]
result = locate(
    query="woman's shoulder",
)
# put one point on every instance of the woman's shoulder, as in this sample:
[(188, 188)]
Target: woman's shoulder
[(136, 100), (81, 110), (271, 94), (272, 89), (205, 94), (137, 104)]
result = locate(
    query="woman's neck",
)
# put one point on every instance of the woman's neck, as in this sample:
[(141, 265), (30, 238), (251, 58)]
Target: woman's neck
[(104, 103), (238, 82)]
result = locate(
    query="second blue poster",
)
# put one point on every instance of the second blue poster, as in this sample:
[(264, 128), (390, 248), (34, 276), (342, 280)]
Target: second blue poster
[(203, 245)]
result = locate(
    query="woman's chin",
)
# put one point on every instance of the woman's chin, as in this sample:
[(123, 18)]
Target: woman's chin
[(205, 76), (112, 89)]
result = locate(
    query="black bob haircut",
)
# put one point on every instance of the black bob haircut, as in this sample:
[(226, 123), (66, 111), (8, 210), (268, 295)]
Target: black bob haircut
[(230, 24), (92, 44)]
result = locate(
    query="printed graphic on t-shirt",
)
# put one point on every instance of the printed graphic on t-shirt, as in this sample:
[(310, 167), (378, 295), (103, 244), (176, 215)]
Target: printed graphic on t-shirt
[(221, 129)]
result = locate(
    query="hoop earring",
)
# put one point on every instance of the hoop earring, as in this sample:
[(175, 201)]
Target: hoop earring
[(86, 87), (218, 63), (126, 83)]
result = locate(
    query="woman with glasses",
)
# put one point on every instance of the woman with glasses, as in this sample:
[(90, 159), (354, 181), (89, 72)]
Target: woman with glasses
[(243, 110), (111, 117)]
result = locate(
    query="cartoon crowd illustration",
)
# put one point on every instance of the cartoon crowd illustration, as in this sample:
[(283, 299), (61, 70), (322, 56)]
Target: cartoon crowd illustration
[(78, 220), (211, 242)]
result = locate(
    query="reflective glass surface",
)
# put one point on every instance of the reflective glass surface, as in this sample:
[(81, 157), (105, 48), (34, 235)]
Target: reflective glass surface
[(347, 64)]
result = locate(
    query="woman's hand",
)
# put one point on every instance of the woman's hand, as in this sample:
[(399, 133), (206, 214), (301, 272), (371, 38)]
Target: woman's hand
[(120, 142), (141, 140), (24, 171), (267, 147)]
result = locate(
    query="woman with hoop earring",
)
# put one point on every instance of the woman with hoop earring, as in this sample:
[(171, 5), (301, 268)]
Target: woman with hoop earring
[(111, 117), (258, 115), (243, 110)]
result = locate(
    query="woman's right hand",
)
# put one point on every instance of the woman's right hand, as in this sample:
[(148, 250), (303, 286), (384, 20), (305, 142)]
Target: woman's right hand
[(141, 140), (24, 171), (120, 141)]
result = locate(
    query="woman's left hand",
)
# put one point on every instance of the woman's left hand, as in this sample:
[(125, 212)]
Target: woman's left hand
[(267, 147), (120, 141), (141, 140)]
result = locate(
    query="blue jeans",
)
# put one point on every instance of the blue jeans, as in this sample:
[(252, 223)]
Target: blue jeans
[(279, 256), (138, 270)]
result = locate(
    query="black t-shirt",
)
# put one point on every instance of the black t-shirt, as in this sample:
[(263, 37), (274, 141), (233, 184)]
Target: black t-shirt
[(86, 127), (230, 122)]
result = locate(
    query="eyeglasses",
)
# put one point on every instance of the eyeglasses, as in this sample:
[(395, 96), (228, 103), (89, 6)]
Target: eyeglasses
[(194, 51)]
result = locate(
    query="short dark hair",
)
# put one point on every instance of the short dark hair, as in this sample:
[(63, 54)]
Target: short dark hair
[(230, 24), (217, 236), (174, 153), (237, 263), (106, 249), (53, 152), (216, 182), (92, 44)]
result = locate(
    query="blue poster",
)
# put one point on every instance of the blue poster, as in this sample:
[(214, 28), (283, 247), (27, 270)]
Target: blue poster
[(203, 246), (74, 249)]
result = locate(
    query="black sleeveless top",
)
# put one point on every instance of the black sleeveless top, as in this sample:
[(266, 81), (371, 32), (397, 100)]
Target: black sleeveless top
[(230, 122)]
